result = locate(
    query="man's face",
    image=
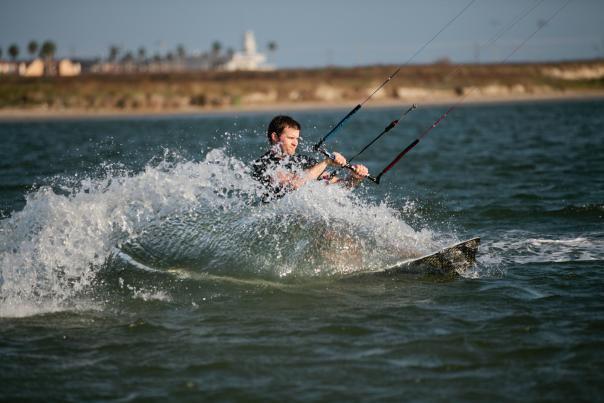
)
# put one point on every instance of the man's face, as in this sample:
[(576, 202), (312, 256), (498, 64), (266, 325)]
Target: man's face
[(288, 140)]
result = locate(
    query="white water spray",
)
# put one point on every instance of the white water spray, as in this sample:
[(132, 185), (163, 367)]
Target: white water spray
[(204, 216)]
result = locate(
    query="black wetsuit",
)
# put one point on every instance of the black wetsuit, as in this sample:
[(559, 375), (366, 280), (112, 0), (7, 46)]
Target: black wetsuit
[(264, 167)]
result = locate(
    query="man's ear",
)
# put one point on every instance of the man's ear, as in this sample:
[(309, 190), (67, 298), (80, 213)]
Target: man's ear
[(274, 138)]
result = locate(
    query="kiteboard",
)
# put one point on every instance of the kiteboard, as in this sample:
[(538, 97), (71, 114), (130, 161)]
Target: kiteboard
[(449, 260)]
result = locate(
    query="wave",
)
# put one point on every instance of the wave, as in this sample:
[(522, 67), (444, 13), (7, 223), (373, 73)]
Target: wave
[(520, 247), (203, 216)]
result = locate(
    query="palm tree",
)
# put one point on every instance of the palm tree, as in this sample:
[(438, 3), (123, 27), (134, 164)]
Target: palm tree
[(272, 47), (128, 57), (215, 54), (32, 48), (13, 51), (48, 50), (216, 48), (142, 53), (113, 53), (181, 52)]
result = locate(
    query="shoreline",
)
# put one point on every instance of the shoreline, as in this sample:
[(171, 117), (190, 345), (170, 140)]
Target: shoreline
[(44, 114)]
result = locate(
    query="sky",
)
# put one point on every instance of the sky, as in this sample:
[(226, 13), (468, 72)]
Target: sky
[(310, 33)]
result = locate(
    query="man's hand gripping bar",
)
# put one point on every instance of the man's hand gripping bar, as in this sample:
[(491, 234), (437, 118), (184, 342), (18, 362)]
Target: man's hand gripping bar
[(347, 166)]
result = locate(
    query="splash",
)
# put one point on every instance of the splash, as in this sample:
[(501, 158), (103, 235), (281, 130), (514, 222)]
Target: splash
[(204, 216), (524, 247)]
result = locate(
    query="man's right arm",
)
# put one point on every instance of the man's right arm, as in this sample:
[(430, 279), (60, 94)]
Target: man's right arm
[(296, 181), (316, 170)]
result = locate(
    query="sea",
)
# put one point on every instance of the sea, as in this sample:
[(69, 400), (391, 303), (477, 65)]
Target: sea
[(139, 264)]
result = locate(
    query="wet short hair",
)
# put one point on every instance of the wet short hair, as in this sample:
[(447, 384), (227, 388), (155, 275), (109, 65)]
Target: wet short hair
[(279, 123)]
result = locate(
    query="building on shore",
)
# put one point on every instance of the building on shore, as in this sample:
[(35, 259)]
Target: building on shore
[(8, 67), (35, 68), (67, 68), (38, 68), (249, 58)]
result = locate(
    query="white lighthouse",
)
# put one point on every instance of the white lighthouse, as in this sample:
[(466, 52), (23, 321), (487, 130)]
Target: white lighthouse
[(249, 43), (249, 58)]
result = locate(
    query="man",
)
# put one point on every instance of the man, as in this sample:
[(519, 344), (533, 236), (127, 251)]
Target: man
[(281, 170)]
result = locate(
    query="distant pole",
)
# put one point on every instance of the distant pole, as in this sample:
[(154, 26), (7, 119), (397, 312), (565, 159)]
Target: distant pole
[(329, 57)]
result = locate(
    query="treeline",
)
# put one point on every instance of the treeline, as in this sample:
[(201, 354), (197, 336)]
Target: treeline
[(46, 51), (118, 54)]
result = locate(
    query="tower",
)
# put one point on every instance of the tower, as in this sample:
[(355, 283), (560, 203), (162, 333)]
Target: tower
[(249, 43)]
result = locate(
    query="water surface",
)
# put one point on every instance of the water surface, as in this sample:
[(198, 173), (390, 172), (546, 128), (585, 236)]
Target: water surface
[(136, 262)]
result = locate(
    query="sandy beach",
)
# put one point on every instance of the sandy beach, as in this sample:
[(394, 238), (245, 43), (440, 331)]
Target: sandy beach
[(45, 113)]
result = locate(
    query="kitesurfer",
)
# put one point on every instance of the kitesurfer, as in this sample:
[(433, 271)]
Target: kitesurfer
[(281, 170)]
